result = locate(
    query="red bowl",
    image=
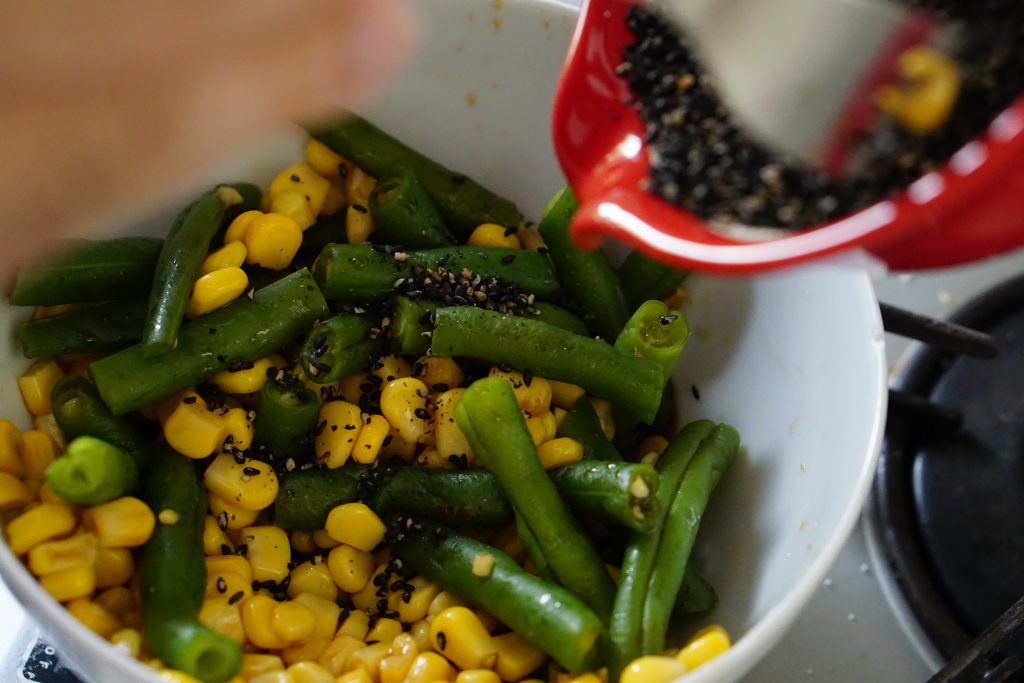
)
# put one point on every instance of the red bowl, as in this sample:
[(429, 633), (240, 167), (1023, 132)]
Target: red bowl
[(971, 208)]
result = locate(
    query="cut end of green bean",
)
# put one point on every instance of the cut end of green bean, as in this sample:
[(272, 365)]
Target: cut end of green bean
[(203, 653), (656, 333), (91, 472)]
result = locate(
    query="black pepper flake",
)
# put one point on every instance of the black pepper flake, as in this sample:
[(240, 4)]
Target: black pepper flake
[(527, 377), (442, 640), (222, 585), (508, 258), (439, 387), (250, 471), (695, 391), (295, 178), (236, 597), (668, 319), (360, 208), (225, 549), (422, 413), (189, 400), (242, 550)]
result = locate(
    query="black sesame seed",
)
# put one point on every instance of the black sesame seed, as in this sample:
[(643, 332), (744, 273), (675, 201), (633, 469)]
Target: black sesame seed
[(236, 597)]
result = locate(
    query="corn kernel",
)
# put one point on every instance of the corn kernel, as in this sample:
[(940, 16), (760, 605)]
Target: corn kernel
[(13, 493), (366, 598), (268, 552), (384, 630), (38, 450), (128, 640), (924, 103), (78, 581), (542, 428), (191, 429), (369, 658), (234, 517), (308, 650), (272, 677), (493, 235), (529, 238), (323, 541), (47, 423), (309, 672), (397, 447), (477, 676), (350, 567), (216, 290), (458, 634), (272, 241), (322, 159), (231, 255), (370, 440), (247, 380), (420, 632), (250, 485), (440, 373), (559, 452), (240, 226), (533, 397), (517, 656), (335, 657), (390, 368), (448, 437), (257, 616), (11, 443), (113, 566), (313, 578), (36, 385), (223, 616), (652, 669), (94, 617), (254, 664), (327, 613), (126, 522), (334, 200), (359, 185), (42, 523), (423, 593), (395, 666), (604, 415), (704, 646), (215, 540), (117, 600), (301, 178), (589, 677), (302, 542), (359, 225), (429, 667), (356, 625), (227, 585), (292, 621), (403, 402), (295, 206), (443, 601), (355, 524), (563, 394), (650, 449), (335, 441), (55, 556), (174, 676)]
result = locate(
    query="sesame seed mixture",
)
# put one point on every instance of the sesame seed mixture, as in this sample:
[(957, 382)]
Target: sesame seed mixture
[(703, 162)]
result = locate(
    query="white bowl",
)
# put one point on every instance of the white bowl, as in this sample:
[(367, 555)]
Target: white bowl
[(794, 360)]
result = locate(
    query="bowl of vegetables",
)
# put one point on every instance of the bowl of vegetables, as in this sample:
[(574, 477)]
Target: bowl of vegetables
[(350, 414)]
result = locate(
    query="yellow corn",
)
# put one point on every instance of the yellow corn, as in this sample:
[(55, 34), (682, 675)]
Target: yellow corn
[(704, 646), (47, 423), (238, 426), (231, 255), (517, 657), (295, 206), (396, 665), (118, 600), (493, 235), (94, 617), (370, 440), (326, 613), (589, 677), (55, 556), (403, 402), (355, 524), (335, 657), (309, 672), (350, 388), (240, 226), (477, 676), (214, 538), (322, 159), (420, 632), (190, 428), (250, 485), (128, 640), (604, 414), (429, 667), (232, 516), (308, 650), (650, 449), (254, 664), (126, 522), (384, 630), (224, 584), (113, 566), (268, 552), (486, 619), (356, 625), (334, 200), (443, 601), (175, 676), (292, 621), (257, 617), (564, 394), (323, 541), (224, 617), (247, 380), (423, 593), (272, 241), (542, 428), (483, 564), (38, 450), (507, 540), (350, 568), (48, 311), (359, 224), (533, 398), (559, 452), (458, 634), (397, 447), (36, 385), (359, 186), (13, 493), (529, 238), (448, 437), (302, 542), (78, 581), (652, 669), (11, 442), (369, 657), (301, 178), (366, 598), (313, 578), (337, 438), (42, 523), (925, 102), (391, 367), (215, 290), (440, 373)]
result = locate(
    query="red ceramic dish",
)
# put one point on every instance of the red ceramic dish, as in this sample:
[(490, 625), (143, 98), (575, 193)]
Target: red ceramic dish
[(970, 209)]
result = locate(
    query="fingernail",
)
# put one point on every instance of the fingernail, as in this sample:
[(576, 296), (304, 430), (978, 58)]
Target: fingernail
[(381, 36)]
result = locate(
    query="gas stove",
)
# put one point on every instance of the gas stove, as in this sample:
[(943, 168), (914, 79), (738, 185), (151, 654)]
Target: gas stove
[(859, 625)]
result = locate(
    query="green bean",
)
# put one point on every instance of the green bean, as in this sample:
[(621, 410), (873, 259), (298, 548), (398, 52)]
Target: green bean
[(364, 273), (582, 424), (242, 331), (644, 278), (633, 383), (533, 550), (404, 214), (714, 456), (551, 314), (92, 471), (496, 431), (626, 624), (655, 333), (462, 202), (586, 276), (339, 347), (173, 576), (79, 411), (696, 595), (187, 244), (618, 491), (91, 329), (547, 615), (286, 415), (87, 271)]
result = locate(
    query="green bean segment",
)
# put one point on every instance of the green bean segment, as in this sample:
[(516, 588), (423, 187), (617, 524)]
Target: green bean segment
[(91, 472), (90, 329), (338, 347)]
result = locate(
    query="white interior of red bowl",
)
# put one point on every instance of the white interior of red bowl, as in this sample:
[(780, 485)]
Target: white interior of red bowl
[(794, 360)]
